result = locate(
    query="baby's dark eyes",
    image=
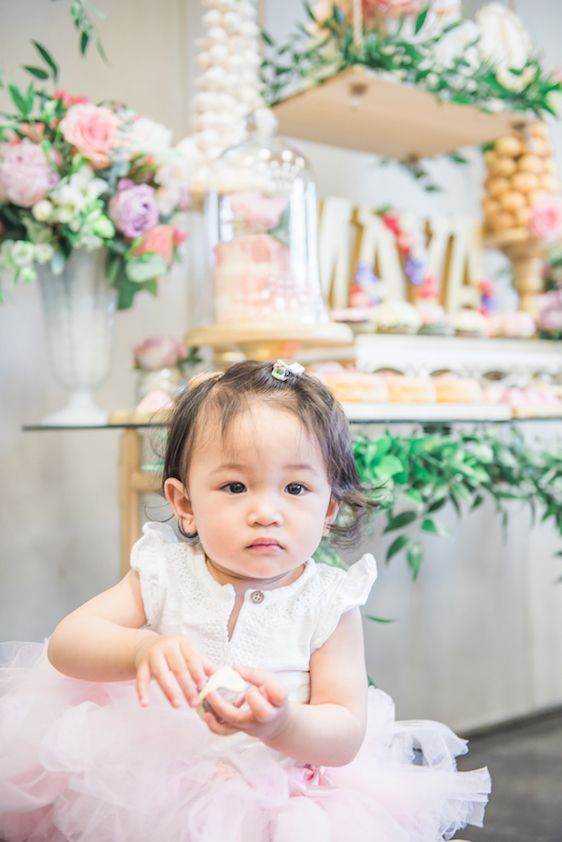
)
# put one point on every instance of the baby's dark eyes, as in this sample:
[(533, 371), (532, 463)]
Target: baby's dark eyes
[(295, 488), (235, 487)]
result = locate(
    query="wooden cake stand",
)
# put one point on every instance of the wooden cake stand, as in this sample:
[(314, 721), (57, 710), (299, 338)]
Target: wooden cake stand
[(267, 343), (526, 255)]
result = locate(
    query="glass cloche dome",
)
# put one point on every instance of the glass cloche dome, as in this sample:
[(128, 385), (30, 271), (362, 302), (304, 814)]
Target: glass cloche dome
[(260, 212)]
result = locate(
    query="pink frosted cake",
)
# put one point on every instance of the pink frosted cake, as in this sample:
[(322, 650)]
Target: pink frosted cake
[(256, 282)]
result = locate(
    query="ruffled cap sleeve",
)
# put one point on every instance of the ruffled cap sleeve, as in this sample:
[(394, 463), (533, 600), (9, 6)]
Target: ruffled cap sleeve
[(350, 589), (148, 559)]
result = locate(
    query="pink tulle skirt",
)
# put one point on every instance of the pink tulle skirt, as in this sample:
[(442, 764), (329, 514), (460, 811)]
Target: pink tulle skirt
[(83, 761)]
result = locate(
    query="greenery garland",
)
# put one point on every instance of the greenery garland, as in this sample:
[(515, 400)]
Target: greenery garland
[(415, 476), (313, 60)]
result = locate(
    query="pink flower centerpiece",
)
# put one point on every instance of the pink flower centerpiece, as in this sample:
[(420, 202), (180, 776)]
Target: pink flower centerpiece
[(545, 222), (163, 363), (159, 352), (77, 175)]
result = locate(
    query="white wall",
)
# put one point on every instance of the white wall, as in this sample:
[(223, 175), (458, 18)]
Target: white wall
[(478, 638)]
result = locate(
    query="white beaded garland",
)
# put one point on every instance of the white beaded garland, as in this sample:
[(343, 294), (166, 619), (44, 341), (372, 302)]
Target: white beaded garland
[(228, 87)]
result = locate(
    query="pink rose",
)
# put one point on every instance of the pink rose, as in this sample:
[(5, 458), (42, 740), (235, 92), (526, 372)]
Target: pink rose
[(25, 174), (159, 240), (256, 209), (545, 222), (179, 236), (159, 352), (93, 130), (68, 99), (392, 8)]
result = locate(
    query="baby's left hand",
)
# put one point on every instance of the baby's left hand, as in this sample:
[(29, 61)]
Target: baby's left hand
[(263, 712)]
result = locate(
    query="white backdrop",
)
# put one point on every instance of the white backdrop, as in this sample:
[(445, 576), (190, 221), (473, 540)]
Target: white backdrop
[(478, 637)]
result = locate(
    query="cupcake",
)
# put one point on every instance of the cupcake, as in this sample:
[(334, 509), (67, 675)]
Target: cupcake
[(468, 322), (395, 316), (403, 389), (433, 318), (351, 386), (512, 325), (449, 388)]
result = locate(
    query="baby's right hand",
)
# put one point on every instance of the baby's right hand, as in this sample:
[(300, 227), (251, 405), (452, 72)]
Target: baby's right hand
[(174, 663)]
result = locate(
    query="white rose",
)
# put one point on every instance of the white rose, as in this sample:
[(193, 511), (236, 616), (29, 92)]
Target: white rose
[(71, 198), (514, 81), (43, 252), (95, 189), (81, 178), (28, 274), (150, 137), (456, 43), (22, 253), (503, 38), (42, 210)]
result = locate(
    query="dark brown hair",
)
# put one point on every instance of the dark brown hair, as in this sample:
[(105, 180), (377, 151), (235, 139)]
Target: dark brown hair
[(305, 396)]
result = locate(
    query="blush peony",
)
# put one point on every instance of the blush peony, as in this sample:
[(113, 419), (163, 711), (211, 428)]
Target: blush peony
[(25, 174), (159, 352)]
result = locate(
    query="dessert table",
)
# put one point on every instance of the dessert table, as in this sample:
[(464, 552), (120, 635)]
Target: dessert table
[(138, 469)]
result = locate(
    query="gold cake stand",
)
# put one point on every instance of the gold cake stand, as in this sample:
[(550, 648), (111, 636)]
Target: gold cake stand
[(526, 255), (267, 343)]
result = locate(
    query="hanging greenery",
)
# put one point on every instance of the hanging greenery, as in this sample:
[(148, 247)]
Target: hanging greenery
[(451, 61), (417, 476)]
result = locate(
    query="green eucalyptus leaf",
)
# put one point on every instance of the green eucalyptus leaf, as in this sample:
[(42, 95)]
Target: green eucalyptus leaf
[(19, 99), (38, 72), (84, 41), (47, 58), (401, 521), (434, 527), (389, 466), (397, 546), (145, 267), (414, 557), (420, 20), (378, 619)]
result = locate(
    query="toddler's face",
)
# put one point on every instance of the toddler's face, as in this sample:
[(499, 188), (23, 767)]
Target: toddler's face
[(260, 495)]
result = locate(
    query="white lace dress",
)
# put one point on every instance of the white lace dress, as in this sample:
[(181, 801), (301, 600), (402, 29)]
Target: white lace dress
[(83, 761)]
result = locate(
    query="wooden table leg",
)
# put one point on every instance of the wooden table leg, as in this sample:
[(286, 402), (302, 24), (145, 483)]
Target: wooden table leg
[(130, 454)]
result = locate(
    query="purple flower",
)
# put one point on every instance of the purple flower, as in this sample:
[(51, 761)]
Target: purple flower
[(364, 274), (415, 270), (133, 209), (550, 316)]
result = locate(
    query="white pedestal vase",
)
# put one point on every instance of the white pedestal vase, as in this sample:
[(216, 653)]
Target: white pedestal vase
[(79, 308)]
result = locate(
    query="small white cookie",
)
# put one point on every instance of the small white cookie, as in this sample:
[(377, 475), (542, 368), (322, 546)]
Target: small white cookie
[(225, 681)]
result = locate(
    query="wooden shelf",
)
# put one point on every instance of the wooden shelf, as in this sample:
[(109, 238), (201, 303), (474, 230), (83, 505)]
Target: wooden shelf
[(263, 343), (421, 412), (357, 110), (368, 412), (537, 412)]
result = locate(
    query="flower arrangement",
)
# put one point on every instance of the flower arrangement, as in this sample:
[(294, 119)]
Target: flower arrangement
[(545, 219), (76, 175), (158, 352), (549, 321), (408, 230), (488, 63)]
